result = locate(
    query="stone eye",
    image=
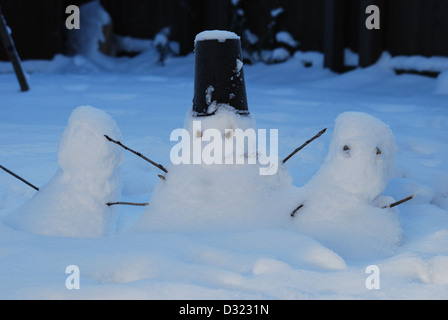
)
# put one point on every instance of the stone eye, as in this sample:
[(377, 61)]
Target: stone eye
[(378, 151), (346, 148)]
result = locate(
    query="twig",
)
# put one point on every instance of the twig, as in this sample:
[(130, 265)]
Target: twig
[(21, 179), (389, 206), (293, 214), (304, 145), (127, 204), (400, 202), (137, 153)]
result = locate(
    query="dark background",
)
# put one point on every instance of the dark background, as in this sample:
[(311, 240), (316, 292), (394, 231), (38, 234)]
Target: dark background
[(408, 27)]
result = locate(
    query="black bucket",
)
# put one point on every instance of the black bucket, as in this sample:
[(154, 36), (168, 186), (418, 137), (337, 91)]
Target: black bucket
[(219, 74)]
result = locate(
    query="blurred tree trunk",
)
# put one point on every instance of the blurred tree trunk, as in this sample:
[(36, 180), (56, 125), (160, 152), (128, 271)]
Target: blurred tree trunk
[(334, 35), (183, 29), (370, 41)]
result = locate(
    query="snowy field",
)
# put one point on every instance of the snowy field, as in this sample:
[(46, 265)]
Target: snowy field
[(219, 233)]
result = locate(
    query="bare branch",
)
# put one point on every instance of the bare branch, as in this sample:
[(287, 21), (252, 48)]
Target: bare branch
[(21, 179), (110, 204), (293, 214), (137, 153), (304, 145), (400, 202)]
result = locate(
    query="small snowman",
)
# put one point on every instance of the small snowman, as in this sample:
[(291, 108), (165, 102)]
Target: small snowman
[(342, 205), (73, 203)]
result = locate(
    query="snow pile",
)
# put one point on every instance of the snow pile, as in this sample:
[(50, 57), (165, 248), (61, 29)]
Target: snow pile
[(130, 44), (209, 196), (276, 12), (442, 83), (312, 58), (73, 203), (277, 55), (87, 38), (286, 38), (162, 38), (343, 202), (415, 63), (251, 37)]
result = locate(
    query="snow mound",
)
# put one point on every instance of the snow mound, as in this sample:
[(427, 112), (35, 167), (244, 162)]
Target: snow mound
[(213, 197), (415, 62), (295, 249), (286, 38), (424, 270), (439, 270), (73, 203), (343, 202), (87, 38), (279, 55)]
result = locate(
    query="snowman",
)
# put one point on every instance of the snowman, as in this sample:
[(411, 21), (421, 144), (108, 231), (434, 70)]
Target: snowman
[(343, 204), (73, 203), (221, 181)]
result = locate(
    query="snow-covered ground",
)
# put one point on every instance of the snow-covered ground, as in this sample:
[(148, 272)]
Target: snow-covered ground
[(218, 234)]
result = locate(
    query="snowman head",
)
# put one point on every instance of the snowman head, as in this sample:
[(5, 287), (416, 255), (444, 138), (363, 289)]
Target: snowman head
[(84, 152), (361, 155)]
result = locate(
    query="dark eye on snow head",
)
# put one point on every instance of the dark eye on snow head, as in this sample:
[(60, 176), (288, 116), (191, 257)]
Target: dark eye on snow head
[(346, 148), (378, 151)]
